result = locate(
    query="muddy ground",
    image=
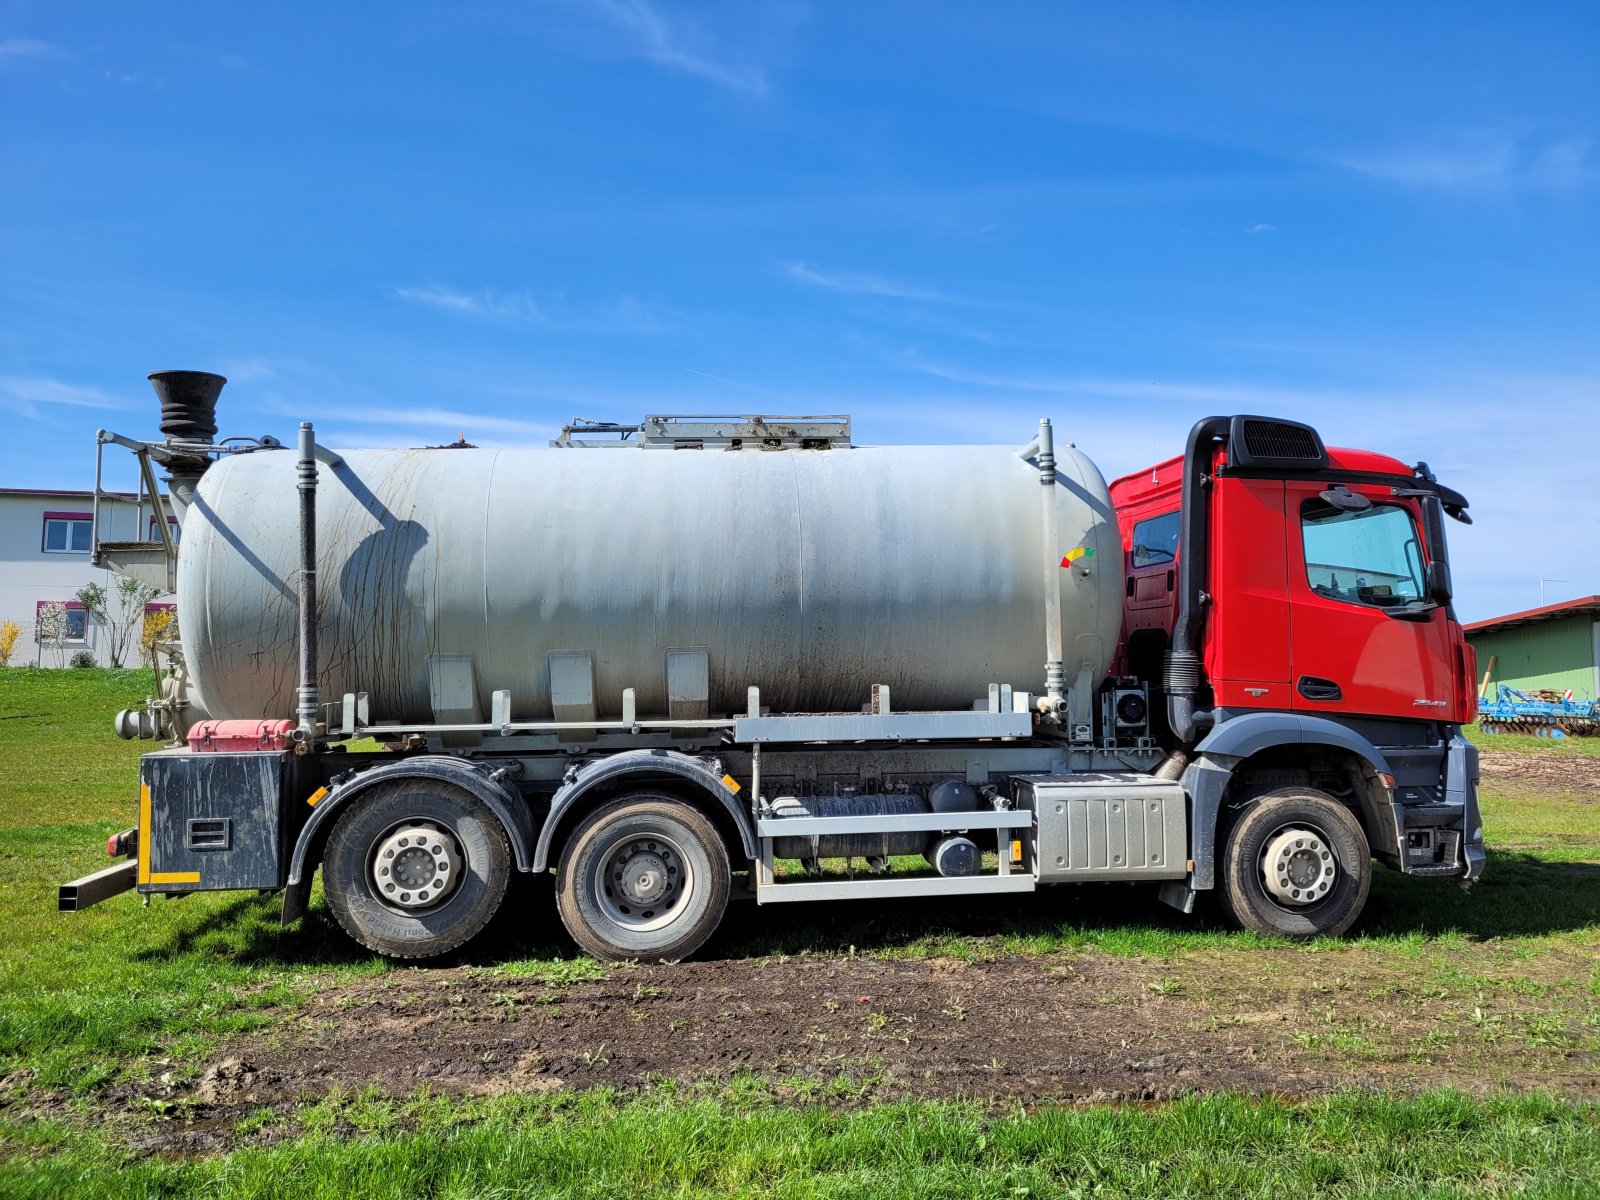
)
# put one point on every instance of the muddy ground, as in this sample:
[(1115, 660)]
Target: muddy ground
[(1059, 1028), (846, 1029), (1565, 773)]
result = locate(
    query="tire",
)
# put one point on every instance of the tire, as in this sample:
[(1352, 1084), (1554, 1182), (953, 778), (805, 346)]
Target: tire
[(453, 824), (671, 900), (1308, 901)]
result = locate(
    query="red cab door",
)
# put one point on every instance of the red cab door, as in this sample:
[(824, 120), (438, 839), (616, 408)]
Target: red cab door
[(1247, 655), (1362, 639)]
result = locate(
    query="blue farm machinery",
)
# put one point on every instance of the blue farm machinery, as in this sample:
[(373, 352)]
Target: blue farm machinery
[(1543, 713)]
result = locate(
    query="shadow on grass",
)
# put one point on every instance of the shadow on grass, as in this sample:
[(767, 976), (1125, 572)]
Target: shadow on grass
[(1519, 896), (247, 931)]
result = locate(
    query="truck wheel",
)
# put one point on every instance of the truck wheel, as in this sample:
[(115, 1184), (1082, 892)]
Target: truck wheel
[(645, 877), (415, 868), (1296, 865)]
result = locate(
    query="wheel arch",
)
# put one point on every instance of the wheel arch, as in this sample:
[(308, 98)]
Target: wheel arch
[(503, 801), (699, 782), (1229, 755)]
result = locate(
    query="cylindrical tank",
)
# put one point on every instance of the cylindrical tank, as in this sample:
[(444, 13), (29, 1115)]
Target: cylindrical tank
[(850, 845), (811, 574)]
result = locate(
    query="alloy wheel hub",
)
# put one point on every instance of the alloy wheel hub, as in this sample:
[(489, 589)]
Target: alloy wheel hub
[(416, 866), (1298, 867)]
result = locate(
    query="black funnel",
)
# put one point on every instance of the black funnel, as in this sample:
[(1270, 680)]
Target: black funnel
[(188, 404)]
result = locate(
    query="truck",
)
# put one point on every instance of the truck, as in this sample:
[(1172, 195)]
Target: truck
[(697, 660)]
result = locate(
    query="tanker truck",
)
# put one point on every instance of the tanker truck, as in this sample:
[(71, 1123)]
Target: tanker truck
[(697, 660)]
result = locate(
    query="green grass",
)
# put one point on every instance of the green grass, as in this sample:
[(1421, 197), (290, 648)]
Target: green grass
[(121, 991), (1437, 1145), (84, 996), (89, 994), (1577, 747)]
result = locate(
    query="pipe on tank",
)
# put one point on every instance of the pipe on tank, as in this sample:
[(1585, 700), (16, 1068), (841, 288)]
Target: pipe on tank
[(1194, 555), (306, 695), (189, 423), (1055, 665)]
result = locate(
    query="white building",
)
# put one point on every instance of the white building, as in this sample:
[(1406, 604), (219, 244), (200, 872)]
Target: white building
[(45, 543)]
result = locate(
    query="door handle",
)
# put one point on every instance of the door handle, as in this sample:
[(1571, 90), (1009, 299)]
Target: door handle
[(1313, 688)]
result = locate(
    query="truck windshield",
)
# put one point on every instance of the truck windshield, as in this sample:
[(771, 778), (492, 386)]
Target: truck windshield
[(1370, 557)]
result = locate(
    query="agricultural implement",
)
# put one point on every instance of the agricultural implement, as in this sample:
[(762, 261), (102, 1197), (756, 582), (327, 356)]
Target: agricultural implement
[(1544, 713)]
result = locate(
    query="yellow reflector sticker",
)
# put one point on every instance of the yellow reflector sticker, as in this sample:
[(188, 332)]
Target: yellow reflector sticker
[(144, 833), (732, 784), (175, 877), (1016, 851), (317, 797)]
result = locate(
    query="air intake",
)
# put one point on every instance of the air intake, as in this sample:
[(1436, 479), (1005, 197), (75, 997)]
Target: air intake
[(188, 404), (1269, 442)]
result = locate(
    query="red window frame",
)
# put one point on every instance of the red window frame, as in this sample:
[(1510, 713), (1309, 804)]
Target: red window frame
[(70, 606), (44, 526)]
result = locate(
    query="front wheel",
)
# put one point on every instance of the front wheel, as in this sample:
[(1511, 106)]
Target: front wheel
[(1296, 865), (644, 877), (416, 868)]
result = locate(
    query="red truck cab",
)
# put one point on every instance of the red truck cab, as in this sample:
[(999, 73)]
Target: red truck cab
[(1317, 596)]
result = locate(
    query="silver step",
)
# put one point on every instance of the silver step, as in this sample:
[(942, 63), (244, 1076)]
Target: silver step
[(860, 889)]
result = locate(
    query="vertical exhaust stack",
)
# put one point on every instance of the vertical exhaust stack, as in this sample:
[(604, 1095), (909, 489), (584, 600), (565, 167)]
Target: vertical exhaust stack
[(188, 404), (188, 418)]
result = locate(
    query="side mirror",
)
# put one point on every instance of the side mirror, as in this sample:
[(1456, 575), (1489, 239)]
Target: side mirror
[(1438, 582)]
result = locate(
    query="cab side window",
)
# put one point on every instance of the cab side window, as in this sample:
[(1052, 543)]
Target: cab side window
[(1372, 556), (1155, 541)]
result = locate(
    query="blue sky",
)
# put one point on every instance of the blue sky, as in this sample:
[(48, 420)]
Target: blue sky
[(407, 221)]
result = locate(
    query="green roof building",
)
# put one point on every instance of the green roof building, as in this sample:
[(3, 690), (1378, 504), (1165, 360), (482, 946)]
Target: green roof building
[(1555, 647)]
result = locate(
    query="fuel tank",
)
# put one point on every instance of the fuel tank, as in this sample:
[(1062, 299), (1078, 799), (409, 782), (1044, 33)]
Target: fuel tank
[(810, 573)]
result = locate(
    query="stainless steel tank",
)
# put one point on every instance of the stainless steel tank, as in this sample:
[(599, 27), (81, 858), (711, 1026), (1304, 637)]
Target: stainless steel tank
[(812, 574)]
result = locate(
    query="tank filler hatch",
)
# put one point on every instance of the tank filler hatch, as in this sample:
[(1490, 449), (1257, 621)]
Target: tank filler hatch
[(710, 433)]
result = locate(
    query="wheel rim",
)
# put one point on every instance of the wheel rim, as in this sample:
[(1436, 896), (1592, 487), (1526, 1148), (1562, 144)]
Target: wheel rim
[(643, 882), (1298, 867), (416, 865)]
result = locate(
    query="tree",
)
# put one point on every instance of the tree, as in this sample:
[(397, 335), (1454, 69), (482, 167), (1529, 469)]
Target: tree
[(120, 613), (158, 627), (50, 629), (9, 632)]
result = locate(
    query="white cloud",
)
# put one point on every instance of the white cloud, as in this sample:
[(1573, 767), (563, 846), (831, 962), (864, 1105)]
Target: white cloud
[(248, 370), (24, 395), (1519, 475), (1088, 388), (489, 305), (1261, 229), (1481, 161), (11, 48), (858, 284), (623, 314), (680, 44), (443, 418)]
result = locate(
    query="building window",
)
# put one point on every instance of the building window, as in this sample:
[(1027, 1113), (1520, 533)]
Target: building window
[(68, 533), (77, 631), (155, 528)]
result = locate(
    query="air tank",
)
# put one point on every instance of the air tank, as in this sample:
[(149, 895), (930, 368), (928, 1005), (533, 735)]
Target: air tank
[(809, 573)]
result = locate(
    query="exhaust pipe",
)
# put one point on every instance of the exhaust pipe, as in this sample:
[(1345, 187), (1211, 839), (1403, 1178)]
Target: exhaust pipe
[(188, 415), (1183, 667), (188, 404)]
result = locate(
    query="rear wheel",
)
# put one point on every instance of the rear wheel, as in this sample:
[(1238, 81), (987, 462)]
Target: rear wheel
[(1296, 865), (646, 876), (416, 868)]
